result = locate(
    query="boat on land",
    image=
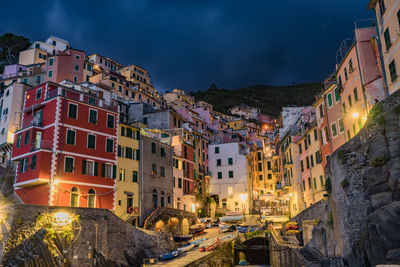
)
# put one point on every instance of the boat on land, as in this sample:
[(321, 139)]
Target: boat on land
[(186, 247), (210, 245), (248, 229), (226, 228), (170, 255), (231, 218), (197, 228), (182, 238), (197, 242)]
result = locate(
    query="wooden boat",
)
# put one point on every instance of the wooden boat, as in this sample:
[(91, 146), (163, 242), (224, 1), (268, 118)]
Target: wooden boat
[(199, 233), (170, 255), (198, 241), (248, 229), (210, 245), (182, 238), (231, 218), (186, 247), (197, 228), (224, 227), (226, 237)]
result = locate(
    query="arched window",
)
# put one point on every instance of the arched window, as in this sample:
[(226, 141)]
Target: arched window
[(92, 198), (162, 199), (155, 198), (74, 197)]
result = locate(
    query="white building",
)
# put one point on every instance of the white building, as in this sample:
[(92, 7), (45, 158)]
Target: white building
[(51, 45), (230, 176), (11, 103), (245, 111)]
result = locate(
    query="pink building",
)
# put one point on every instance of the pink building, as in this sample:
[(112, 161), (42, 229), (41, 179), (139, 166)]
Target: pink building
[(65, 65)]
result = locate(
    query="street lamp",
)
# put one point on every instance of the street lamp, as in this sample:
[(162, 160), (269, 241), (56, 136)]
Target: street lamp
[(355, 115)]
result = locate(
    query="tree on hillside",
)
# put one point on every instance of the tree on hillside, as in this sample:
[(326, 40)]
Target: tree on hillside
[(213, 87), (10, 46)]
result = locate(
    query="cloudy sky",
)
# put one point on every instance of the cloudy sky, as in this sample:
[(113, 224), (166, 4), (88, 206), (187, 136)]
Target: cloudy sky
[(189, 44)]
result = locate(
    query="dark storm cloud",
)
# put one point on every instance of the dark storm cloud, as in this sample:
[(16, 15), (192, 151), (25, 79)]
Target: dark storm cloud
[(189, 43)]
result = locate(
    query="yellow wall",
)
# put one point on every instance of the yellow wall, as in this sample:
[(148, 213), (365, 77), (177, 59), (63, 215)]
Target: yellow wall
[(129, 165), (31, 56), (236, 125)]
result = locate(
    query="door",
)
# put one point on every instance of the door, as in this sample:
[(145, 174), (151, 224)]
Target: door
[(38, 140)]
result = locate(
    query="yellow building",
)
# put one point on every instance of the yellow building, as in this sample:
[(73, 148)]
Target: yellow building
[(139, 76), (237, 124), (32, 56), (127, 186)]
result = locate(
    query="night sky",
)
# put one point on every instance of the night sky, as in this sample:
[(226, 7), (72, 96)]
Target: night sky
[(189, 44)]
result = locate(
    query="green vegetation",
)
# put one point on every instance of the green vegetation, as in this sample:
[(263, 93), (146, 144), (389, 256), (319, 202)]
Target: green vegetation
[(10, 46), (342, 156), (250, 235), (377, 114), (270, 99), (379, 160), (397, 109), (328, 185), (317, 221), (345, 183), (330, 220)]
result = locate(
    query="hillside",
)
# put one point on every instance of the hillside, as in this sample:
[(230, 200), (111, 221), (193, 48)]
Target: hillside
[(270, 99)]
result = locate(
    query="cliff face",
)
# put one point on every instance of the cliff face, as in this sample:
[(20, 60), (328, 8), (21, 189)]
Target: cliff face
[(365, 198)]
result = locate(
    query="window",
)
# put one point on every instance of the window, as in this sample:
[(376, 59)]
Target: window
[(129, 133), (110, 145), (69, 165), (128, 153), (269, 176), (304, 185), (259, 167), (337, 96), (269, 165), (216, 150), (92, 101), (153, 148), (230, 174), (145, 121), (382, 7), (315, 134), (341, 125), (179, 182), (23, 165), (72, 110), (334, 131), (350, 102), (398, 17), (260, 177), (134, 176), (155, 199), (50, 74), (330, 103), (348, 134), (392, 70), (153, 169), (355, 95), (309, 183), (300, 148), (321, 111), (33, 162), (388, 42), (107, 170), (89, 167), (350, 66), (345, 74), (74, 197), (315, 183), (91, 198), (76, 67), (302, 165), (71, 137), (93, 116), (51, 61), (122, 131), (344, 108), (162, 171), (308, 162), (218, 162), (91, 141), (312, 160), (75, 79), (162, 152), (258, 155), (321, 179), (38, 93), (230, 190), (121, 176), (219, 175), (78, 57), (27, 134)]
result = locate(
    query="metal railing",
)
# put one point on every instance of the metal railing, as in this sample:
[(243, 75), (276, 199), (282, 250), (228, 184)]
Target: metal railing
[(42, 144)]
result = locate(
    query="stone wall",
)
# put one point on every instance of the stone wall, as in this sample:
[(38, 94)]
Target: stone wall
[(360, 221), (99, 231)]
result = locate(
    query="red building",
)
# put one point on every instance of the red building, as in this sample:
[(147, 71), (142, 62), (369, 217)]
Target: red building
[(66, 148)]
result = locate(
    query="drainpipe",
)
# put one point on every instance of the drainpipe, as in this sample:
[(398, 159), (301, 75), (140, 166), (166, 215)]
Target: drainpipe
[(61, 145)]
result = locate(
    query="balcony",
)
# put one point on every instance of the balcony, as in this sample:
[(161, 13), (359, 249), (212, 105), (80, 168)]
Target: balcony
[(278, 186), (287, 162), (42, 144)]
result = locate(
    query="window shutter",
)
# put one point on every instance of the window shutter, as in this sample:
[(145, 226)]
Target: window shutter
[(96, 168), (83, 166), (103, 170), (137, 154), (114, 171)]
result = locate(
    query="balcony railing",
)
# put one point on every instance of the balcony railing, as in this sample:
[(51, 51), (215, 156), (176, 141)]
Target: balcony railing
[(42, 144)]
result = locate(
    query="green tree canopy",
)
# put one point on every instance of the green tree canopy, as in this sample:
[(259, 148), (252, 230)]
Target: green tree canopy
[(10, 46)]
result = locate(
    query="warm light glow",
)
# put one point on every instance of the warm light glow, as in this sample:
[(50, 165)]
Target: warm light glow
[(355, 115), (56, 182), (243, 197), (197, 204), (193, 208), (62, 218), (290, 194), (365, 118)]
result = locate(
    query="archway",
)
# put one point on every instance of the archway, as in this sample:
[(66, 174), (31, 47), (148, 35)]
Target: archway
[(172, 224), (185, 226), (160, 226)]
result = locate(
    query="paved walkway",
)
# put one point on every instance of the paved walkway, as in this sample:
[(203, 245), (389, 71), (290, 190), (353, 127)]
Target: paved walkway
[(194, 254)]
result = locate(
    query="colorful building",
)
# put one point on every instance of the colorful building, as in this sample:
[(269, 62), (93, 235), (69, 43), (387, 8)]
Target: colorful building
[(127, 183), (65, 65), (68, 156)]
